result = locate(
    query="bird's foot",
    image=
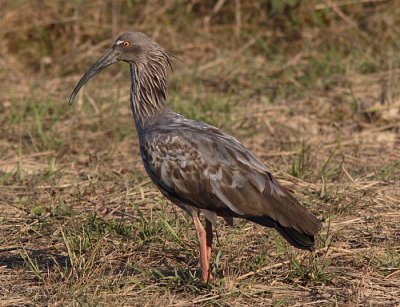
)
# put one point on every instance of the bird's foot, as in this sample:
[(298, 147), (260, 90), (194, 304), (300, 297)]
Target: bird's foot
[(207, 277), (103, 211)]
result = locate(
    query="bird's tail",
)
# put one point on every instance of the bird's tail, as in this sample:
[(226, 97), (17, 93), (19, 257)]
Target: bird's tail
[(294, 237)]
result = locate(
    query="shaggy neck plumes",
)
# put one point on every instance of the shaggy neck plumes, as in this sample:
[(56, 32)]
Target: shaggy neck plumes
[(149, 87)]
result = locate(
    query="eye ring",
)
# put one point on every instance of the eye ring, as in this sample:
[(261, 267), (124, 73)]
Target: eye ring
[(125, 44)]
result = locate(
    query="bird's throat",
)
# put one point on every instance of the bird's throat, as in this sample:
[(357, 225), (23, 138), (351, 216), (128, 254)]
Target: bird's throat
[(148, 94)]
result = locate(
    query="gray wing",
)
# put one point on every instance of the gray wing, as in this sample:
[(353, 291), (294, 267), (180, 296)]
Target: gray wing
[(203, 167)]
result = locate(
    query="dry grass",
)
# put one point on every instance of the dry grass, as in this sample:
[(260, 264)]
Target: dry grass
[(312, 89)]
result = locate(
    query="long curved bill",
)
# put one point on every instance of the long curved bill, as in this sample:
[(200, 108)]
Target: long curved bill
[(110, 57)]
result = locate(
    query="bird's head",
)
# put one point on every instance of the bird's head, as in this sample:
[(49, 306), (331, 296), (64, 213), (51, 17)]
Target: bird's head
[(135, 48)]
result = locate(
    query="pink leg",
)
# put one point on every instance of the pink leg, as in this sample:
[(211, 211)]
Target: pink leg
[(204, 259)]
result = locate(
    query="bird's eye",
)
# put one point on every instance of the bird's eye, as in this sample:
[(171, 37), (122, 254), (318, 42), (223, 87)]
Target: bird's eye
[(125, 43)]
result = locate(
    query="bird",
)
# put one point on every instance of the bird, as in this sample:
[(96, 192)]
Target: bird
[(197, 166)]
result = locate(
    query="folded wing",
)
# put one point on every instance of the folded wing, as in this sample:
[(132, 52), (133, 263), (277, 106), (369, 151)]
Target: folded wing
[(205, 168)]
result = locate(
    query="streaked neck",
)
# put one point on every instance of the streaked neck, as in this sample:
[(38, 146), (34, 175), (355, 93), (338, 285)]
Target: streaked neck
[(148, 91)]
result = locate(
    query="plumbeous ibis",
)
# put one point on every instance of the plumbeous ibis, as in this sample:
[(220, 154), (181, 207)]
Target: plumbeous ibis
[(196, 166)]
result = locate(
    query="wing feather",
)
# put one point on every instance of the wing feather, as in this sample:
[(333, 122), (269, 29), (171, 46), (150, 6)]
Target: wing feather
[(205, 168)]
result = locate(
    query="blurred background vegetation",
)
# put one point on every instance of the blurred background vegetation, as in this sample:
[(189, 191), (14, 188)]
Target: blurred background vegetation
[(340, 58), (53, 37), (251, 51)]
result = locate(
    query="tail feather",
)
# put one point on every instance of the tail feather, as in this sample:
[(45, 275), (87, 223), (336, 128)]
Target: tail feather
[(294, 237)]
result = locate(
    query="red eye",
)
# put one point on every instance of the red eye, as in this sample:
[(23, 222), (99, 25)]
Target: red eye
[(125, 43)]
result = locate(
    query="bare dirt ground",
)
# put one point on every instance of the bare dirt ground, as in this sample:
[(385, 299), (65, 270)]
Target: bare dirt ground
[(80, 222)]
